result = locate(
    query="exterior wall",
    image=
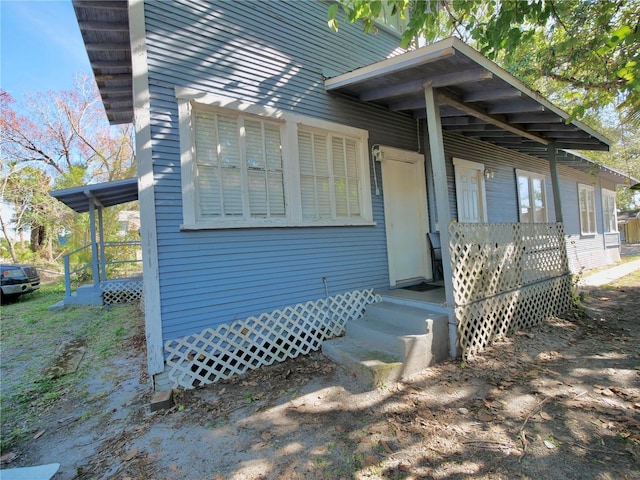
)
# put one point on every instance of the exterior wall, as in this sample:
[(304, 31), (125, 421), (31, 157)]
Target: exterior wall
[(584, 251), (252, 51)]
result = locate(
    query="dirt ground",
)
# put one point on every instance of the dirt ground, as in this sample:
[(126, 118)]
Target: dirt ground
[(558, 402)]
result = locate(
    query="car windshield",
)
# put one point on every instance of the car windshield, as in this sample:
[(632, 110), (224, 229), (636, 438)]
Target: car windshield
[(12, 273)]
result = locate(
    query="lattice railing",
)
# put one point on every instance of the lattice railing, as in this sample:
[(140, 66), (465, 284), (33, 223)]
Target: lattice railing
[(506, 277), (230, 349), (121, 291)]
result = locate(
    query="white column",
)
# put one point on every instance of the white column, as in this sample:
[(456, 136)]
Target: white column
[(555, 182)]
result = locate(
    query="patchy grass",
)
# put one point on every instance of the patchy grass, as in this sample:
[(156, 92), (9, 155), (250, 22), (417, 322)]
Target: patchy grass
[(30, 339)]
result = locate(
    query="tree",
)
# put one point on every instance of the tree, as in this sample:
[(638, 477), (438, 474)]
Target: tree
[(56, 140), (592, 47)]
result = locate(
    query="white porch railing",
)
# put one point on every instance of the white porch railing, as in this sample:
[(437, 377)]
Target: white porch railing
[(506, 277)]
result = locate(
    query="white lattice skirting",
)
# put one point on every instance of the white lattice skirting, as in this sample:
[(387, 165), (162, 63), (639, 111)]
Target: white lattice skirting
[(121, 291), (506, 277), (227, 350)]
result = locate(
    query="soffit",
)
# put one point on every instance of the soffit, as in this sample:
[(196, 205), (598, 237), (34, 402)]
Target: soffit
[(104, 26)]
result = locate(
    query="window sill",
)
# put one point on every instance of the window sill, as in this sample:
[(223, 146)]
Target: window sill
[(275, 224)]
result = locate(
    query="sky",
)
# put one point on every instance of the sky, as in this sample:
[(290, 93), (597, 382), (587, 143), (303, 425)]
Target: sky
[(40, 46)]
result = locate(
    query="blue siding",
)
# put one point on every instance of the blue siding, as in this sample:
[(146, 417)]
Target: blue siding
[(252, 51)]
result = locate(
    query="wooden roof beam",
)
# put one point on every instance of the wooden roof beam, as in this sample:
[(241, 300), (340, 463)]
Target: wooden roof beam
[(488, 95), (498, 122), (415, 86), (516, 107), (107, 47), (103, 26)]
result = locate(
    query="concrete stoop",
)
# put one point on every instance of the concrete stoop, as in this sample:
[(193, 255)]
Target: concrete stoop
[(391, 342)]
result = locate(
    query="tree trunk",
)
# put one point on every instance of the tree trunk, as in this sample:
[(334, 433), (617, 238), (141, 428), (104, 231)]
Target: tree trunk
[(10, 243)]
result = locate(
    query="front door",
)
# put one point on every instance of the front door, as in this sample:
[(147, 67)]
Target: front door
[(470, 194), (405, 211)]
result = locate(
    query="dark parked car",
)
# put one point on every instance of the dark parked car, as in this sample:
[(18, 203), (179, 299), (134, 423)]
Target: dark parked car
[(17, 280)]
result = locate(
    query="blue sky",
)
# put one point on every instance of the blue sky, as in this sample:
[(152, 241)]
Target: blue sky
[(40, 46)]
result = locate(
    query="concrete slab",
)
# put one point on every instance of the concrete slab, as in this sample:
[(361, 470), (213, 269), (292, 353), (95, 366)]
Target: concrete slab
[(609, 275)]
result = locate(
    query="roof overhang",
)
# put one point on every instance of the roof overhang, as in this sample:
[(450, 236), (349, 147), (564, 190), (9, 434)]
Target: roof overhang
[(102, 195), (477, 99), (104, 26)]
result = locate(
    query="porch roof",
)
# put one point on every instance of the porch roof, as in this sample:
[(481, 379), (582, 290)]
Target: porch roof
[(477, 99), (102, 195)]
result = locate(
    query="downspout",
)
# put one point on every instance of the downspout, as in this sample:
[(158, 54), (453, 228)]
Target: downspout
[(439, 171)]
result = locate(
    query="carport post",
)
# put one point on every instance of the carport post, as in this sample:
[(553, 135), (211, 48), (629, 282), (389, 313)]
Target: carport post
[(436, 147), (103, 260), (94, 246)]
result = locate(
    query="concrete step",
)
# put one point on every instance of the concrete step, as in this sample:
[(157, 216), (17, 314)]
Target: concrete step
[(391, 342), (370, 366)]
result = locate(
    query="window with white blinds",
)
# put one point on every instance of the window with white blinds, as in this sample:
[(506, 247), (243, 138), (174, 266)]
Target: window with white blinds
[(247, 166), (238, 167), (329, 179)]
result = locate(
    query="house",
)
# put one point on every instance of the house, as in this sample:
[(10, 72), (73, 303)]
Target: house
[(289, 176)]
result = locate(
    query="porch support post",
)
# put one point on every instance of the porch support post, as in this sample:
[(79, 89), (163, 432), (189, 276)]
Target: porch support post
[(436, 147), (555, 182), (94, 246), (103, 260)]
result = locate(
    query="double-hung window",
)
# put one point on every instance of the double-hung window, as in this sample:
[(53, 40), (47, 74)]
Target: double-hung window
[(532, 198), (609, 211), (245, 166), (586, 200)]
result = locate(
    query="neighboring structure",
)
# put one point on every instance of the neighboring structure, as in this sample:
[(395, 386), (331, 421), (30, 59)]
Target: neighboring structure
[(629, 226), (289, 175)]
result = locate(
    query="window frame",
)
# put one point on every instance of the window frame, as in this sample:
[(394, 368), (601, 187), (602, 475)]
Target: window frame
[(190, 100), (592, 190), (609, 194), (530, 177)]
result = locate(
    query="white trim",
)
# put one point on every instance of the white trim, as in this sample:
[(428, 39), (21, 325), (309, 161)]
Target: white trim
[(265, 223), (482, 194), (399, 155), (146, 194)]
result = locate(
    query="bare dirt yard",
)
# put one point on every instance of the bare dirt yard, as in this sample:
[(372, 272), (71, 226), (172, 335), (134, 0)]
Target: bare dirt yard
[(561, 401)]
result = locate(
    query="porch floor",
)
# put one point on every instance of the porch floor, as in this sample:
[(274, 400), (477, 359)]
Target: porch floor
[(434, 299)]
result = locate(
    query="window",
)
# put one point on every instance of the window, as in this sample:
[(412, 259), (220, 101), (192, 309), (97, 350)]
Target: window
[(328, 176), (609, 211), (238, 165), (587, 203), (249, 166), (532, 198)]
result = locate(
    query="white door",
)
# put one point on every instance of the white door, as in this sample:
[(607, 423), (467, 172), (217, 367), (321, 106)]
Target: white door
[(470, 193), (405, 211)]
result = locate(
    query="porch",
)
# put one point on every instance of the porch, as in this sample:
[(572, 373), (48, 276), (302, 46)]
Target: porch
[(101, 272)]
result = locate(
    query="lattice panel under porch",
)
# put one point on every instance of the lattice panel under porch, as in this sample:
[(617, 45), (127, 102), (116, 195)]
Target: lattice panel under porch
[(227, 350), (489, 259), (121, 291), (482, 322)]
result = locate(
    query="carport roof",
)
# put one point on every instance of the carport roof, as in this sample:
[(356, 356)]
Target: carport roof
[(477, 99), (102, 195)]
